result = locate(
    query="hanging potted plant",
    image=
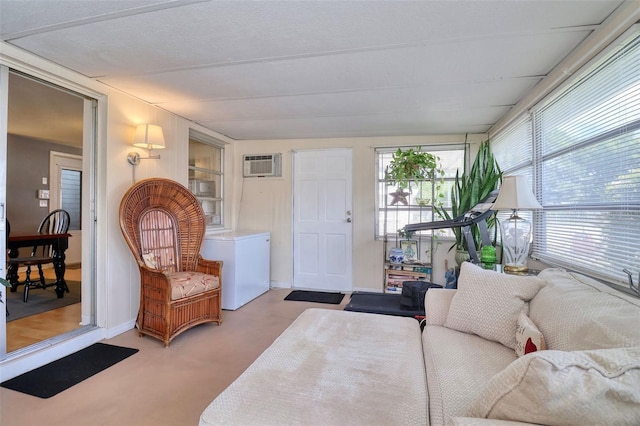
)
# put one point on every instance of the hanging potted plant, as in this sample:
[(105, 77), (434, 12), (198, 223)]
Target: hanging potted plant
[(467, 191), (409, 166)]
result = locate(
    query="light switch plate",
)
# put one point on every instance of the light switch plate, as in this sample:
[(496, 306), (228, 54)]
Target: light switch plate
[(43, 194), (43, 203)]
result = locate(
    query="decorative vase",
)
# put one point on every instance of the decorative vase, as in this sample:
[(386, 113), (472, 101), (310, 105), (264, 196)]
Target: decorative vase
[(462, 256), (396, 255)]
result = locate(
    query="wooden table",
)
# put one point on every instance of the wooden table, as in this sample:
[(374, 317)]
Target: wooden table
[(58, 242)]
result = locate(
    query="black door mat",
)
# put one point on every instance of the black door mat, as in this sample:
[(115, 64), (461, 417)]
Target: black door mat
[(57, 376), (315, 296)]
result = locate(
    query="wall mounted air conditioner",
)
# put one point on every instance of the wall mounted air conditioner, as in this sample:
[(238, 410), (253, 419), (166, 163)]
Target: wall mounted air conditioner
[(262, 165)]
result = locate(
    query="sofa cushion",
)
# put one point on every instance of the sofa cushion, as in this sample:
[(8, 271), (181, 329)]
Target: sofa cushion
[(184, 284), (331, 367), (458, 366), (566, 388), (488, 303), (528, 337), (575, 312)]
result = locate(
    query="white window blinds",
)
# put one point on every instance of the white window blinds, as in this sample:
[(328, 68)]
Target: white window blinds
[(587, 170)]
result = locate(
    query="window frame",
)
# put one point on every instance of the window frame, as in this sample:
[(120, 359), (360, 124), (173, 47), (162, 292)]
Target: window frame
[(214, 219), (425, 212)]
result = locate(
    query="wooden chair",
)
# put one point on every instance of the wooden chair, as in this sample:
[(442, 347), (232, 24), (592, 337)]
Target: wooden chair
[(163, 225), (56, 222)]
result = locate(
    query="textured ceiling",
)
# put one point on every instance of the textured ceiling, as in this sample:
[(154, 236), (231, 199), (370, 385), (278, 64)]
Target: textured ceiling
[(302, 69)]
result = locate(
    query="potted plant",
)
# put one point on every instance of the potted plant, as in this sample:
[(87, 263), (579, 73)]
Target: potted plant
[(409, 166), (468, 189), (4, 283)]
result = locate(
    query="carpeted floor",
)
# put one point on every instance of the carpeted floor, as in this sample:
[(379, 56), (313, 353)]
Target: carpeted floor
[(315, 296), (40, 300)]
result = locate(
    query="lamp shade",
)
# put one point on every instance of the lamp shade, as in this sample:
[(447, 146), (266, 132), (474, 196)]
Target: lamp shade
[(149, 136), (515, 194)]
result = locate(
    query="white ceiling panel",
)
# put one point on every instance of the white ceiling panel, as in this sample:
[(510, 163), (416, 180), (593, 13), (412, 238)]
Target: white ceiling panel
[(226, 32), (474, 60), (443, 97), (405, 123), (287, 69)]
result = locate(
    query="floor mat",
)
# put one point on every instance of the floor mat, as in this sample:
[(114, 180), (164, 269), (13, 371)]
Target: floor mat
[(315, 296), (57, 376)]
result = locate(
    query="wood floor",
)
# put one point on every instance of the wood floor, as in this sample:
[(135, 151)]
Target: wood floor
[(164, 386), (36, 328)]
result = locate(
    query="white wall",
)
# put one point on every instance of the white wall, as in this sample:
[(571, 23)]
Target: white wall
[(265, 204)]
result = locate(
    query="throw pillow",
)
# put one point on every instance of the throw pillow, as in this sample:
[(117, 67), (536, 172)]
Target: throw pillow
[(528, 337), (150, 260), (566, 388), (488, 303)]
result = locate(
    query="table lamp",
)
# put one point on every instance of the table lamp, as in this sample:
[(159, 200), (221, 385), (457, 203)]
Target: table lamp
[(515, 194)]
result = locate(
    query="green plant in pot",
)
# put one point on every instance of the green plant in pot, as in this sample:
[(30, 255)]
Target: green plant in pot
[(467, 191), (5, 283), (409, 166)]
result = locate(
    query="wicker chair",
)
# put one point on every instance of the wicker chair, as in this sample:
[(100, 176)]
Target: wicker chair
[(163, 224)]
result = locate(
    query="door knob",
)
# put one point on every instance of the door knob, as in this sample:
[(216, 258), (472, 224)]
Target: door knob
[(349, 219)]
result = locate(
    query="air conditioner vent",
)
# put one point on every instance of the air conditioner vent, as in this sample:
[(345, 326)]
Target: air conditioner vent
[(261, 165)]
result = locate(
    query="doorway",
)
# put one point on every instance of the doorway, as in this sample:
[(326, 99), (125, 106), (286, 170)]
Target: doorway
[(48, 127), (322, 220)]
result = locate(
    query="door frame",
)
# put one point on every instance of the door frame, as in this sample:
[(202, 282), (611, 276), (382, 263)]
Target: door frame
[(94, 185)]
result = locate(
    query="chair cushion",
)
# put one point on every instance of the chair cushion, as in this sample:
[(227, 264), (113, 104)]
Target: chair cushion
[(598, 387), (184, 284), (488, 303)]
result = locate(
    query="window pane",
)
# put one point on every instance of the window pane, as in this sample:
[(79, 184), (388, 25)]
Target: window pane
[(420, 200), (71, 201)]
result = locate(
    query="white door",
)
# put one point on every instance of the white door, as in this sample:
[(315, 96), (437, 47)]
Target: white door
[(322, 219), (65, 174)]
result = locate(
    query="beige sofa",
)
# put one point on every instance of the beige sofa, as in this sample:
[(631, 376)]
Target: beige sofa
[(347, 368)]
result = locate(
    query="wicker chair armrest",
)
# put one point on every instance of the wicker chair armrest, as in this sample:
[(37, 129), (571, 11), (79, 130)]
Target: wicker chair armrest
[(211, 267), (156, 280)]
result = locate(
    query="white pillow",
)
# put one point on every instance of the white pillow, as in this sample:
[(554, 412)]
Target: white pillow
[(488, 303), (598, 387)]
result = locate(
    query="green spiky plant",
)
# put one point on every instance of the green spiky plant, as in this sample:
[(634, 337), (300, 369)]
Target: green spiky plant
[(469, 188)]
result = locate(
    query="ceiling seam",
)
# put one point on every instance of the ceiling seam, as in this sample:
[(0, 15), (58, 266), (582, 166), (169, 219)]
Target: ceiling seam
[(341, 91), (338, 52), (100, 18)]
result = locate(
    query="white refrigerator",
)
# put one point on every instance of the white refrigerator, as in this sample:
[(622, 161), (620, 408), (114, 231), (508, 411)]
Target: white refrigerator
[(246, 268)]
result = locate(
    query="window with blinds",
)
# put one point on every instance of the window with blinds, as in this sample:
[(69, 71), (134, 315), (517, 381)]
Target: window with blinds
[(584, 162), (513, 150), (71, 196)]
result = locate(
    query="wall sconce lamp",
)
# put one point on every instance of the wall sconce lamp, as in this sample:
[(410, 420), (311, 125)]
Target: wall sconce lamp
[(515, 194), (147, 136)]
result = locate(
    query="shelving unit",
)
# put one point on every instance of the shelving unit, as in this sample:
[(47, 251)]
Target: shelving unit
[(205, 184), (421, 267)]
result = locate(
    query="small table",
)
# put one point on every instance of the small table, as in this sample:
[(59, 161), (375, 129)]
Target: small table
[(58, 242)]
